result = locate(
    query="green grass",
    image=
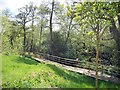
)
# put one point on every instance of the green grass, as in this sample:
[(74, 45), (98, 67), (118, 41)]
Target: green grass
[(23, 72)]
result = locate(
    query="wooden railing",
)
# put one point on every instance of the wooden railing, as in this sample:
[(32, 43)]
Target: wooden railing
[(65, 61)]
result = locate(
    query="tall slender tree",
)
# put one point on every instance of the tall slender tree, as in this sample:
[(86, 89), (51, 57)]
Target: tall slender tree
[(42, 12), (87, 14), (33, 12), (51, 27), (23, 17)]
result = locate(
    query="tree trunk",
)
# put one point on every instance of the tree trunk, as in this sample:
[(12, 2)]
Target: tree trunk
[(32, 43), (97, 56), (51, 16), (41, 28), (68, 33), (24, 41), (32, 40), (11, 40)]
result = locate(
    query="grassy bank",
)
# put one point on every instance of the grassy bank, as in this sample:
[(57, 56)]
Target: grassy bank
[(23, 72)]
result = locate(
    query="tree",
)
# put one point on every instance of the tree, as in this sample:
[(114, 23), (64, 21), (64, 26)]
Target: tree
[(33, 10), (8, 29), (42, 12), (113, 15), (23, 17), (87, 14), (57, 43), (51, 18)]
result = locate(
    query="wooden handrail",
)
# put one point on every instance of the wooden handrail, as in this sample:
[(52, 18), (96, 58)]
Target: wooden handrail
[(73, 62), (72, 59), (58, 57)]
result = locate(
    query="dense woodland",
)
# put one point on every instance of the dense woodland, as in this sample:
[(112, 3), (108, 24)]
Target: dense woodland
[(73, 30)]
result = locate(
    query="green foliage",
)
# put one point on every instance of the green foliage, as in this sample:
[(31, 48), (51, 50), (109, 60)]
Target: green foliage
[(91, 33), (81, 40), (58, 46)]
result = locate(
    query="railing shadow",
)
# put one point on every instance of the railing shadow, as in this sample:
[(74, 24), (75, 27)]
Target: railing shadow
[(26, 60), (79, 79)]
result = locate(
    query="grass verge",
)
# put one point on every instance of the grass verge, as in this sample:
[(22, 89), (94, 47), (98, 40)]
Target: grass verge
[(23, 72)]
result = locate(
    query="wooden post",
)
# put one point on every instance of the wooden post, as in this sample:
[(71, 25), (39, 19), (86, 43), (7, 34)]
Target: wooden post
[(97, 56)]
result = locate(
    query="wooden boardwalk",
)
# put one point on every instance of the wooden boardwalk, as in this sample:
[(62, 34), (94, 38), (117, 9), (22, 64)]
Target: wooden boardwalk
[(87, 72)]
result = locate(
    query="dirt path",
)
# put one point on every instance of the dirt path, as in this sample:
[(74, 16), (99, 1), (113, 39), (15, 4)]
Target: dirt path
[(87, 72)]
